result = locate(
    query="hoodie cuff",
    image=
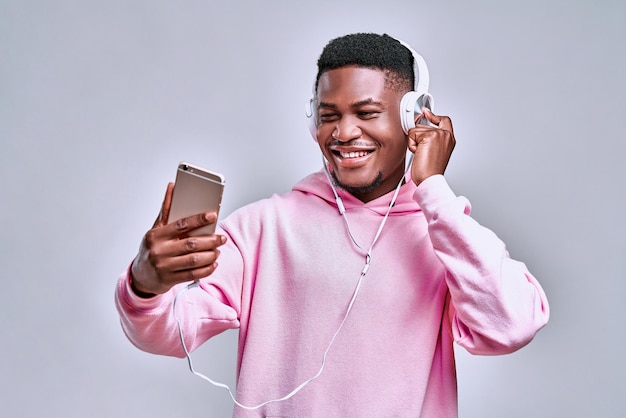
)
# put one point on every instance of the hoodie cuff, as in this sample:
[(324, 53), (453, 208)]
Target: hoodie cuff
[(130, 299), (432, 194)]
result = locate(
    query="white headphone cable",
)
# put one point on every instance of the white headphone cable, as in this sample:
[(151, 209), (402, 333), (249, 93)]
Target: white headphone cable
[(368, 260)]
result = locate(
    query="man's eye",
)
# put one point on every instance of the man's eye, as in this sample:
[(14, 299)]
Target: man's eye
[(328, 117), (366, 114)]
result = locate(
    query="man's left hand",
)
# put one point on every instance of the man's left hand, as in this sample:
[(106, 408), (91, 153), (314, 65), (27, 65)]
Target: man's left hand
[(431, 145)]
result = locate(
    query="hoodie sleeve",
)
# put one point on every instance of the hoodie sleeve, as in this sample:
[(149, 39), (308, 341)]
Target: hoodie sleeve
[(495, 305), (203, 311)]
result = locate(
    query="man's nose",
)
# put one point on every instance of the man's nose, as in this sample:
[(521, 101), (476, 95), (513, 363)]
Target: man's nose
[(346, 130)]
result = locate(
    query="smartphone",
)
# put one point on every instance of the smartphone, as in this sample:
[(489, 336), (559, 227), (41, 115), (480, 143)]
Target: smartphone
[(196, 190)]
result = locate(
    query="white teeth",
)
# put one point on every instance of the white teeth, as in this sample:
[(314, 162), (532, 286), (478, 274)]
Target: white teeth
[(353, 154)]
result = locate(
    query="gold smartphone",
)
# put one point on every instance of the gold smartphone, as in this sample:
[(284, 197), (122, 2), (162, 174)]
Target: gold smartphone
[(196, 190)]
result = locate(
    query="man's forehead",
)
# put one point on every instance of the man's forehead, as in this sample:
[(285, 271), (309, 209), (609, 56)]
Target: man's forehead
[(357, 85), (356, 79)]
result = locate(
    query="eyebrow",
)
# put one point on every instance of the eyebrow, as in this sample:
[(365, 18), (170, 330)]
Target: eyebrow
[(360, 103)]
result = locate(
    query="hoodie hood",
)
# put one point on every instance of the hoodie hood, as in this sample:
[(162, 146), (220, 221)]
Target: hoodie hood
[(317, 184)]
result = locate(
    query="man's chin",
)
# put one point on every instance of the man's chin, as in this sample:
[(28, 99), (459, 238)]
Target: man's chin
[(359, 189)]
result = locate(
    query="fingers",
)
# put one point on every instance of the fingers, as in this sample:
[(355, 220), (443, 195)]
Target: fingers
[(160, 249), (442, 122), (192, 258), (183, 226), (192, 261), (176, 261)]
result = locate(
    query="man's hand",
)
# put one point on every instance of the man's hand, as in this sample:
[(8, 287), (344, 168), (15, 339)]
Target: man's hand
[(168, 256), (432, 146)]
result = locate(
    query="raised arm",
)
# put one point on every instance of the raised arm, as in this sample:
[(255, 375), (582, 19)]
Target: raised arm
[(495, 305)]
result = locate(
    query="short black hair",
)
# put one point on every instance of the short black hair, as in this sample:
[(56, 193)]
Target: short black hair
[(370, 50)]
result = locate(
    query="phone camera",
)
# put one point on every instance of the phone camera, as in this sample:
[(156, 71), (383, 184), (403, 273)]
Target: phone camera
[(185, 167)]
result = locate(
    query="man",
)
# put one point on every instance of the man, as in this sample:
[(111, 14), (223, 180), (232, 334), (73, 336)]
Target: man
[(374, 300)]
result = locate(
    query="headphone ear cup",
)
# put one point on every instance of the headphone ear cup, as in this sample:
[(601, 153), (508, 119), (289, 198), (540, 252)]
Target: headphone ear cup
[(407, 110), (425, 100), (410, 105), (311, 118)]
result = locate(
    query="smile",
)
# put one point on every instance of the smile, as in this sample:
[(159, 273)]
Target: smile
[(352, 154), (351, 159)]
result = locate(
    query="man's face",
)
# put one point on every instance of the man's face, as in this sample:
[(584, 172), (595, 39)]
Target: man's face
[(359, 130)]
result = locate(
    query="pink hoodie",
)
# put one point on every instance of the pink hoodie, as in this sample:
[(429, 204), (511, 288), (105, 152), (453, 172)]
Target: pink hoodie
[(285, 278)]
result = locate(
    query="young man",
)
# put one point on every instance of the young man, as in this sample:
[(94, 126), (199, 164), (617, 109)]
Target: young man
[(290, 265)]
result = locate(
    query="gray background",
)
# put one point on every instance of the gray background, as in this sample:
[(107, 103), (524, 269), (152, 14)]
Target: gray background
[(99, 100)]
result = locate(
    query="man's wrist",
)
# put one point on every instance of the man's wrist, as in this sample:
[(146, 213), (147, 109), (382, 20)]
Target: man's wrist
[(137, 292)]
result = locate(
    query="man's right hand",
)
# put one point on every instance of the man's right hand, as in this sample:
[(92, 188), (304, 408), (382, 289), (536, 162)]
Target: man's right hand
[(168, 256)]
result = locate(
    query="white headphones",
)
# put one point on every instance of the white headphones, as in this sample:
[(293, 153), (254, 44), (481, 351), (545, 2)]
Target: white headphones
[(410, 104)]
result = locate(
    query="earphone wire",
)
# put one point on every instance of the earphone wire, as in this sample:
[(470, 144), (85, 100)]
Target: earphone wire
[(368, 260), (342, 209), (420, 77)]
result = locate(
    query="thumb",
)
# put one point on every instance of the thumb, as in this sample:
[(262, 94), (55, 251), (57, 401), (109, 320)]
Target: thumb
[(432, 118), (442, 122), (164, 214)]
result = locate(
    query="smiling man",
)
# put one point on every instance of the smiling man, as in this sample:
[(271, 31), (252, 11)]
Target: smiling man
[(354, 286), (359, 130)]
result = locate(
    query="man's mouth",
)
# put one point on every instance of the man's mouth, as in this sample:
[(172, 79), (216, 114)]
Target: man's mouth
[(352, 158), (352, 154)]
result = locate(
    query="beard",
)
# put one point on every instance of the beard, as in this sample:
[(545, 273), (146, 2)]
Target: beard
[(359, 190)]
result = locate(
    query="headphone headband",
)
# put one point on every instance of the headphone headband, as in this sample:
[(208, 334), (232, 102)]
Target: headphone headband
[(420, 70)]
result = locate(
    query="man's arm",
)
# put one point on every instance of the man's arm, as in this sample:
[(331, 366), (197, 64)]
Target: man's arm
[(496, 306)]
